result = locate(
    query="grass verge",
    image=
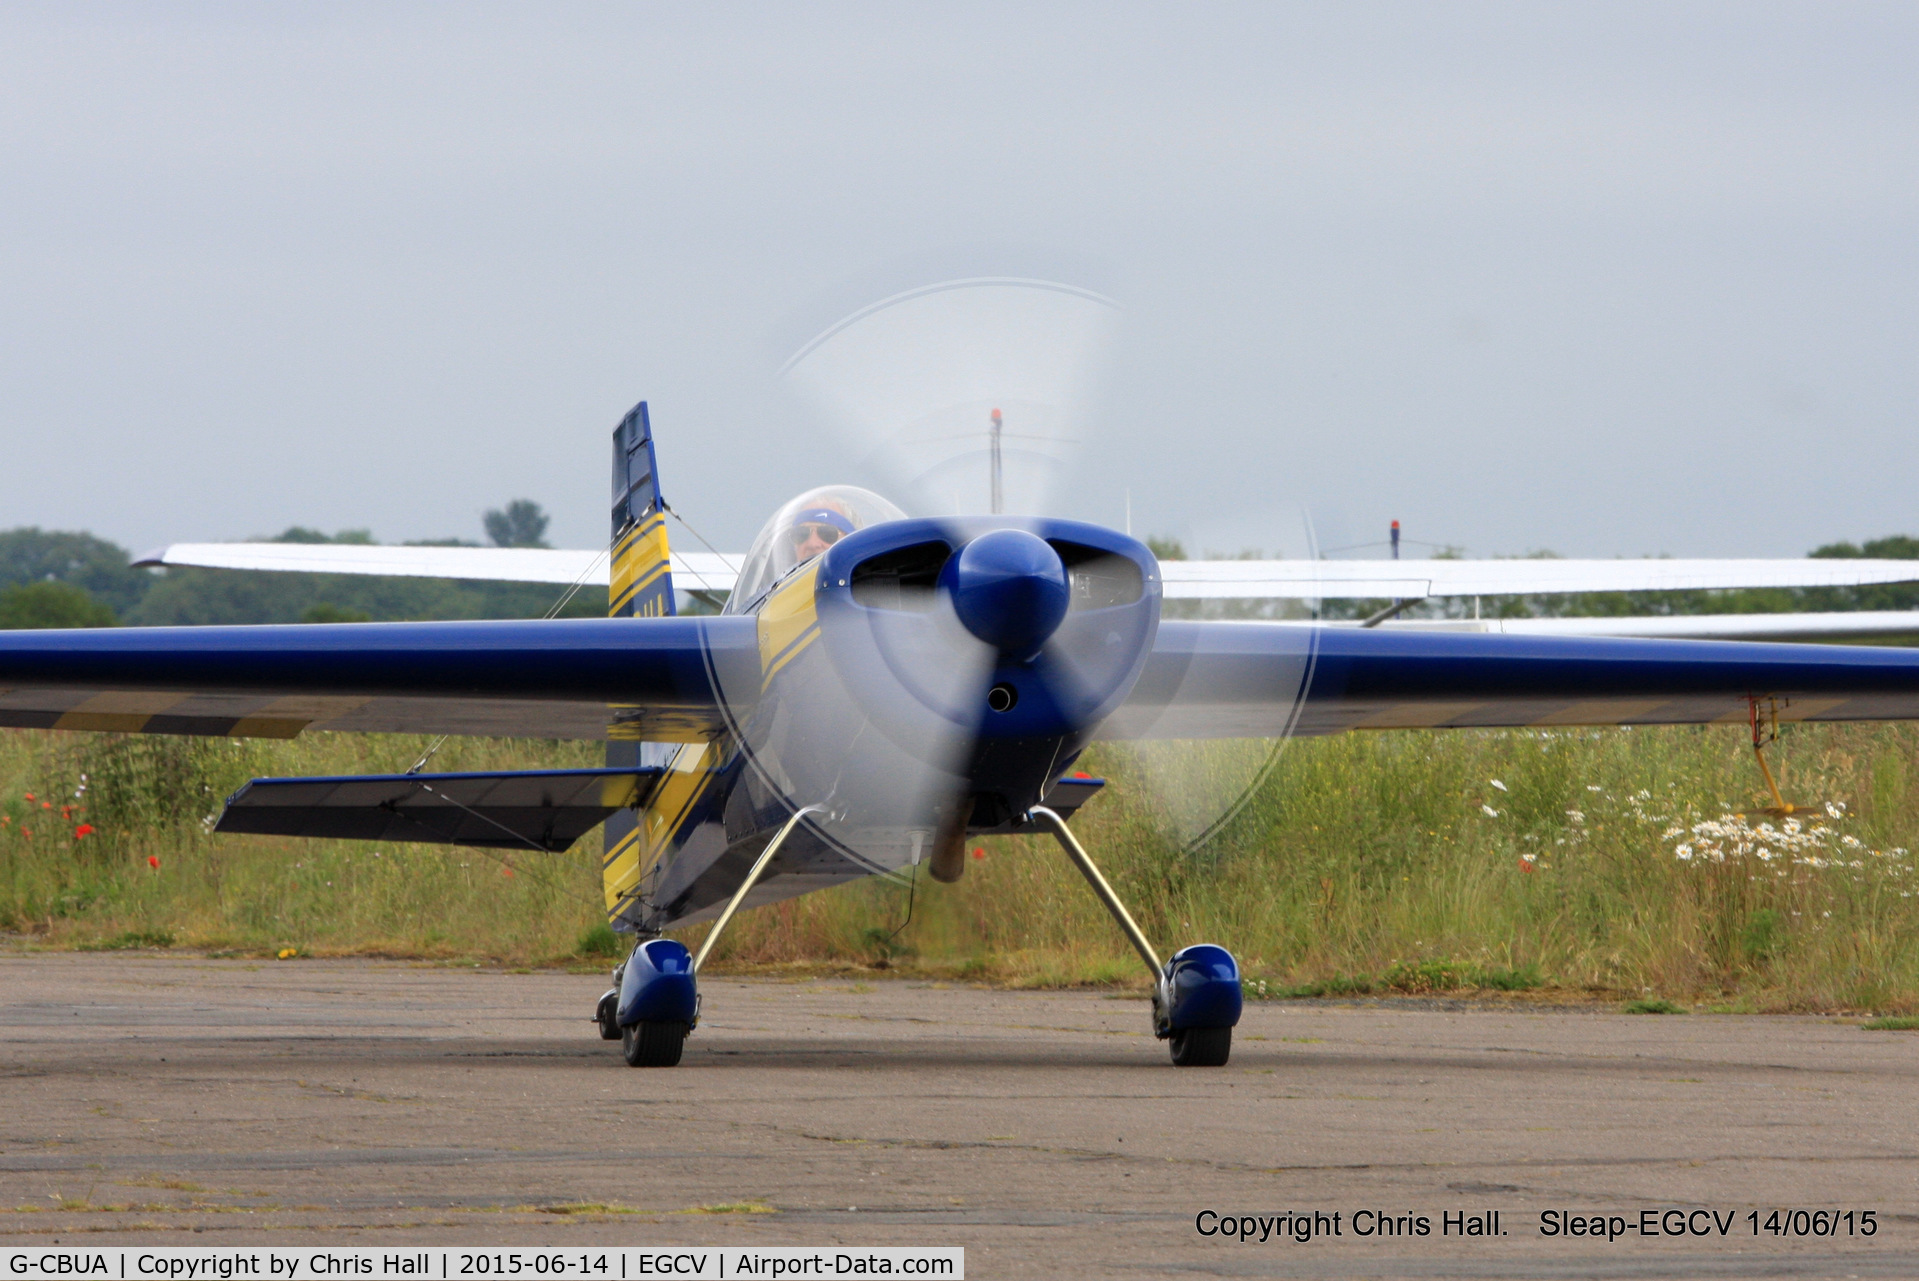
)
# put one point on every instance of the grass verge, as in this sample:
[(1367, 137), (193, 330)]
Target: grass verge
[(1597, 861)]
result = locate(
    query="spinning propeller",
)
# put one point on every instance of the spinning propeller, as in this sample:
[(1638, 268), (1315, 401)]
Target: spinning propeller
[(969, 654)]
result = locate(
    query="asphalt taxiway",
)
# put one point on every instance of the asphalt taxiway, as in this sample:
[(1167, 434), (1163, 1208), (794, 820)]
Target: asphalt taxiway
[(165, 1099)]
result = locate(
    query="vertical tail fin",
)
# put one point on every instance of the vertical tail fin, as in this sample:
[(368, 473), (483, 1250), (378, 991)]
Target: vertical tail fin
[(642, 584), (642, 577)]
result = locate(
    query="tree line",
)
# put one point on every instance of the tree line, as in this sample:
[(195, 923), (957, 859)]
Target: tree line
[(53, 578)]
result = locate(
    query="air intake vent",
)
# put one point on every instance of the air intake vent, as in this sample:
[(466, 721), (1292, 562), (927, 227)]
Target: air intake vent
[(1098, 579), (900, 580)]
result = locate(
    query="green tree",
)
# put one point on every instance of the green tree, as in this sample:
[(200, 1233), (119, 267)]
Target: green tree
[(521, 524), (30, 555), (51, 604), (327, 612)]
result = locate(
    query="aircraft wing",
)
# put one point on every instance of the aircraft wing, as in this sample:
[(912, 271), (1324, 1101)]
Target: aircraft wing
[(584, 678), (1183, 579), (1417, 579), (1266, 679), (1835, 625), (695, 571)]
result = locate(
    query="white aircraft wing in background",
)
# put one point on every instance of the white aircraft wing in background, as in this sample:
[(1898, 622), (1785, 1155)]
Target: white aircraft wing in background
[(694, 571), (1408, 580), (1418, 579)]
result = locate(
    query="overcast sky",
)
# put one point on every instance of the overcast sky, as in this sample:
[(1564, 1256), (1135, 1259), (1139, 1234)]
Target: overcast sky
[(1606, 279)]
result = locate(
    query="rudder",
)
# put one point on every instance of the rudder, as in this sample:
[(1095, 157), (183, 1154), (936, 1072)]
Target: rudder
[(641, 586), (642, 569)]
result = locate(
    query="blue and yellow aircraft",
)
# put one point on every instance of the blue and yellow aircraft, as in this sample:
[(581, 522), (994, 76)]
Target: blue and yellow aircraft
[(876, 691)]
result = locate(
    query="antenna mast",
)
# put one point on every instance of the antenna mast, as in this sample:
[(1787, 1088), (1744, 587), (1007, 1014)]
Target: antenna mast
[(999, 501)]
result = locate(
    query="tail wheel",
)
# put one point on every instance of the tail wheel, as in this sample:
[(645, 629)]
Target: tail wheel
[(657, 1044), (1199, 1046)]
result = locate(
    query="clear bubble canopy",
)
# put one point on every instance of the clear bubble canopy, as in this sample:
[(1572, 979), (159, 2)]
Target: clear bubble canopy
[(802, 529)]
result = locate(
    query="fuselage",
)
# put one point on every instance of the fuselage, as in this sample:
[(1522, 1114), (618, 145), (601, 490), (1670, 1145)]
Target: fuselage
[(920, 681)]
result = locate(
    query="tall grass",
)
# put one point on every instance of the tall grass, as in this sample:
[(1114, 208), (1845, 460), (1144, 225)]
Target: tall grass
[(1597, 860)]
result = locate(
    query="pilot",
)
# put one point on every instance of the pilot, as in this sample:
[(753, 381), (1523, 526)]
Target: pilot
[(817, 528)]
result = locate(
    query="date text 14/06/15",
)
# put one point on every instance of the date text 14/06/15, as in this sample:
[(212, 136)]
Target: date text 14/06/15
[(1707, 1223)]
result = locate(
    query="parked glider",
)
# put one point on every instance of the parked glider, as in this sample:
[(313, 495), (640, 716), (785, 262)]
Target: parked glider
[(877, 691)]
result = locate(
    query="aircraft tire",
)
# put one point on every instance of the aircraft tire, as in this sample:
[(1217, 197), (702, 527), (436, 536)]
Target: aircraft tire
[(653, 1044), (608, 1016), (1201, 1046)]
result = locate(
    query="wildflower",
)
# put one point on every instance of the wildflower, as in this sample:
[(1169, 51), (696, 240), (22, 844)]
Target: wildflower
[(504, 871), (1526, 862), (29, 795), (1594, 787), (979, 851), (153, 861), (27, 832), (1577, 816), (85, 829), (1489, 811), (46, 805), (287, 953), (1501, 786)]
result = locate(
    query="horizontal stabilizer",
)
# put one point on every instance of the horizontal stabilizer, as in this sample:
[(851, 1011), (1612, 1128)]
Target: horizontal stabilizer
[(1067, 794), (546, 808)]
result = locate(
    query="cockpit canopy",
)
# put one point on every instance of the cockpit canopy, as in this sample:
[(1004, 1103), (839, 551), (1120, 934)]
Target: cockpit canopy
[(801, 530)]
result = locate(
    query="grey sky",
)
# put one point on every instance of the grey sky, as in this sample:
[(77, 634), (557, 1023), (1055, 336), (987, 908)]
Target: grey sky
[(1605, 279)]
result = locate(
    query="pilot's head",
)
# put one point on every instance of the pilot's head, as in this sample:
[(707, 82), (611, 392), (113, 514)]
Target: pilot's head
[(817, 528)]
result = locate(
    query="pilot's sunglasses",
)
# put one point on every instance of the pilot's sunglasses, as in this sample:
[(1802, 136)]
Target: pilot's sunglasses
[(825, 533)]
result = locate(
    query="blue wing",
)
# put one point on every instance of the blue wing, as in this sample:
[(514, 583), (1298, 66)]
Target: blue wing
[(1233, 680), (589, 678)]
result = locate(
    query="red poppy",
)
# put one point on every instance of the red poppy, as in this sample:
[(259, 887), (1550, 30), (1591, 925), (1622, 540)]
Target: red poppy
[(27, 832), (29, 795), (1526, 865), (46, 805), (153, 861), (85, 829), (506, 871), (979, 851)]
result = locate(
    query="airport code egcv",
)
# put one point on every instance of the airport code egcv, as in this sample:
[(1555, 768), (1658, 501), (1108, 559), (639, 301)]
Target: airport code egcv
[(690, 1263)]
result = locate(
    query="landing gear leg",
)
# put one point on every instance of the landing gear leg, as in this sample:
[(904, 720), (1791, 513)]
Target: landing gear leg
[(655, 1001), (1196, 995)]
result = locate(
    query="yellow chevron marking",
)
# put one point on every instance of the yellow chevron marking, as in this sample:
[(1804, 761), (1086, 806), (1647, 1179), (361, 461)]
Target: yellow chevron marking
[(310, 707), (638, 561), (1414, 715), (788, 621), (117, 711), (628, 863)]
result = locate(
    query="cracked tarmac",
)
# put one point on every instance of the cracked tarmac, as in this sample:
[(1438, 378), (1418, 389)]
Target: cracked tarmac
[(167, 1099)]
